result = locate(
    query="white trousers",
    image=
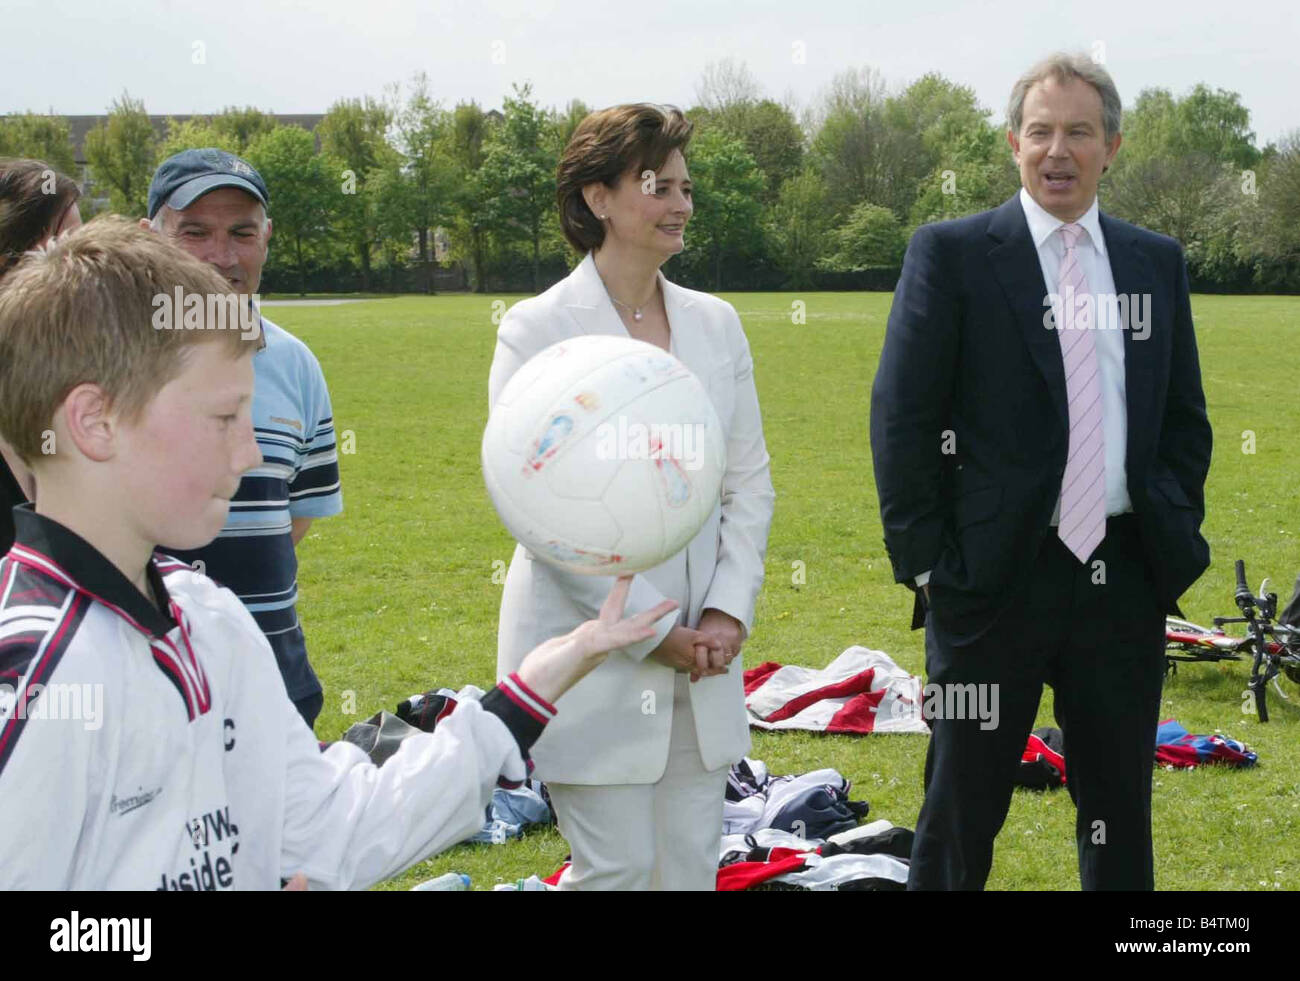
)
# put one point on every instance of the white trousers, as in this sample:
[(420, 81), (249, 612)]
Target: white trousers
[(663, 835)]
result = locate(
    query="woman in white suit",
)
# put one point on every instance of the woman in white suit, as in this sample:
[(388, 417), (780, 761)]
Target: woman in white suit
[(636, 759)]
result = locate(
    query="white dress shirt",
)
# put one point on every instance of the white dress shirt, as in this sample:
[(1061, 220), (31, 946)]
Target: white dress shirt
[(1091, 251)]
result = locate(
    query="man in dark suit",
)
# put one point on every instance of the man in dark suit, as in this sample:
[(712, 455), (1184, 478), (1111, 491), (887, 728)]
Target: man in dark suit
[(1040, 446)]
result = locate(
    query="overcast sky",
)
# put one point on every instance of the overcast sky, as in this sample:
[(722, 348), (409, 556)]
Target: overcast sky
[(74, 56)]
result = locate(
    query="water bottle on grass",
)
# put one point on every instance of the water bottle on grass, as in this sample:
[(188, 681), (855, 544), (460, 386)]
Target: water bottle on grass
[(449, 882)]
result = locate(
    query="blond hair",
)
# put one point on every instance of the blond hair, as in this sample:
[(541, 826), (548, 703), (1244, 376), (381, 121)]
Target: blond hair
[(82, 310)]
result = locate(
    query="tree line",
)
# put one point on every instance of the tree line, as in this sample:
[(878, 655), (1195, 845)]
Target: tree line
[(389, 189)]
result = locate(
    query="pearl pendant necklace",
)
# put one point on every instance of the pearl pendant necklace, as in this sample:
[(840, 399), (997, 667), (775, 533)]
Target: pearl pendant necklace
[(636, 312)]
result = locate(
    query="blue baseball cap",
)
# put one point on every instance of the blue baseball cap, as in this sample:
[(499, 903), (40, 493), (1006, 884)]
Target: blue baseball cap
[(182, 179)]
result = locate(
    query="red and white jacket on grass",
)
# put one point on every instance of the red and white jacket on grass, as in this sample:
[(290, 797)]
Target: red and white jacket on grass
[(861, 691), (147, 751)]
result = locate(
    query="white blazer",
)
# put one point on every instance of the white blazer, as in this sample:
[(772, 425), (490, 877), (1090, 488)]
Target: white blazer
[(613, 727)]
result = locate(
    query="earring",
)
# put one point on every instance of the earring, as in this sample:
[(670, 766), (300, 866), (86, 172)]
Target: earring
[(602, 217)]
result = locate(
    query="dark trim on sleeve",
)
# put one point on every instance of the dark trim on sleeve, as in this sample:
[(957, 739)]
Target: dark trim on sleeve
[(524, 712)]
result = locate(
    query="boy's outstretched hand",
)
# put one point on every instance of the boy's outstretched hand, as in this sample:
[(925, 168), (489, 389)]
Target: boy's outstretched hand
[(555, 666)]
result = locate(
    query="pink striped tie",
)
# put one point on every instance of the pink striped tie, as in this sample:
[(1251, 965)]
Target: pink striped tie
[(1083, 488)]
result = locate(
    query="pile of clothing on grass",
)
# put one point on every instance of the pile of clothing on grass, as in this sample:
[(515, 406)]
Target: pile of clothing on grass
[(803, 831), (870, 858), (860, 692), (1042, 765), (797, 831)]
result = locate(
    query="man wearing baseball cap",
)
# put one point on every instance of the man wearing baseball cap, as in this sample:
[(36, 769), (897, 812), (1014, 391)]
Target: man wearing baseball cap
[(214, 205)]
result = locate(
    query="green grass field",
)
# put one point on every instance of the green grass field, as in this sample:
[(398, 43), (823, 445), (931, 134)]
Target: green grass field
[(397, 593)]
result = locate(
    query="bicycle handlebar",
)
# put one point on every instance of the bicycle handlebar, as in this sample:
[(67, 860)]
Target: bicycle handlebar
[(1244, 597)]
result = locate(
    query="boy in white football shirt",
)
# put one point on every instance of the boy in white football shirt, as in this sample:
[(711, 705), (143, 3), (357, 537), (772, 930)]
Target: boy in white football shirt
[(146, 737)]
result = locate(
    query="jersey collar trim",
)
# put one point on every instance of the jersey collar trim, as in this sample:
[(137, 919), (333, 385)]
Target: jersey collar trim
[(47, 547)]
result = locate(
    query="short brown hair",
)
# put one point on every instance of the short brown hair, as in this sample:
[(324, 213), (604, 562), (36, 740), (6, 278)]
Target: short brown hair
[(1064, 66), (82, 310), (604, 147), (33, 200)]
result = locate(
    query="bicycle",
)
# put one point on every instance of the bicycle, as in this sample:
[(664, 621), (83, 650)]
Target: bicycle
[(1273, 647)]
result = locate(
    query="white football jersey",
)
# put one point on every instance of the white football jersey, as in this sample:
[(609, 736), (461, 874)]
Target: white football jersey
[(143, 751)]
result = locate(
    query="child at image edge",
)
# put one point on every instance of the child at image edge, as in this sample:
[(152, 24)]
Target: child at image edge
[(185, 765)]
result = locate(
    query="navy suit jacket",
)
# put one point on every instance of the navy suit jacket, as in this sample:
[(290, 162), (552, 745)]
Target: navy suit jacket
[(969, 421)]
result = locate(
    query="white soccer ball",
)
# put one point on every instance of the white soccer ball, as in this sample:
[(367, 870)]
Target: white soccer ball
[(604, 455)]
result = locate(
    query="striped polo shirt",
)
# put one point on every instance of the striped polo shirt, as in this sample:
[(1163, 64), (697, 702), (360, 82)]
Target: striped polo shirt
[(299, 478)]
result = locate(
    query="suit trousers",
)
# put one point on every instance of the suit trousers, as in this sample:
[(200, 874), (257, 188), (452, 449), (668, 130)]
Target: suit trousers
[(663, 835), (1094, 631)]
